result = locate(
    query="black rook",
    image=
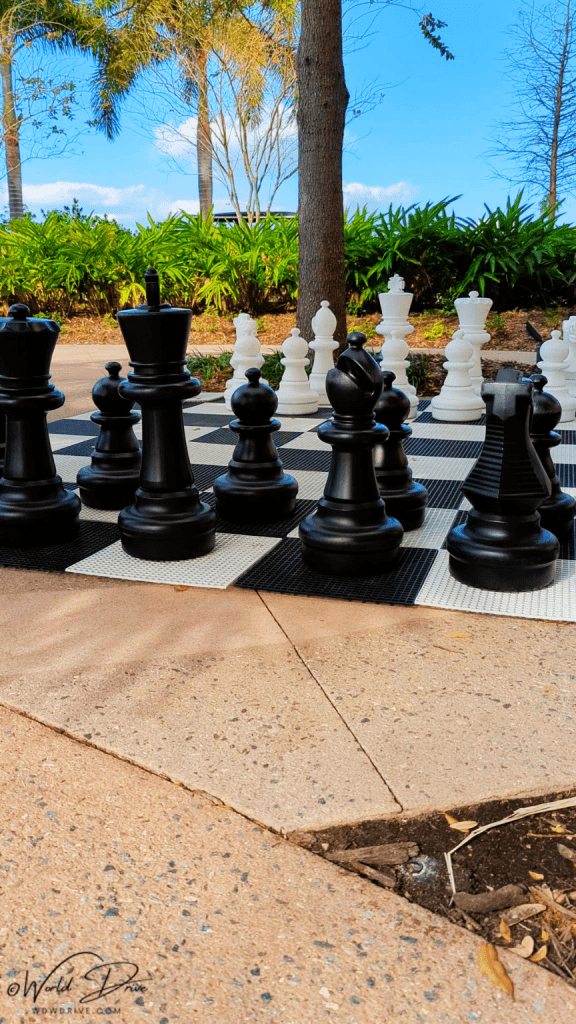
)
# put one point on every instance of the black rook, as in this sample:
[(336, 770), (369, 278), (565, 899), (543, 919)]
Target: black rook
[(35, 509), (167, 521), (502, 546)]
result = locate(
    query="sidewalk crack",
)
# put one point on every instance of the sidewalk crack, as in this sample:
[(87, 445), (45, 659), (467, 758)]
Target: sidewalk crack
[(331, 702)]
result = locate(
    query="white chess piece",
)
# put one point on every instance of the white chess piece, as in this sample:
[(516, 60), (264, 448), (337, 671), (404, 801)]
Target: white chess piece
[(569, 336), (247, 353), (458, 401), (394, 326), (323, 325), (553, 364), (472, 313), (295, 394)]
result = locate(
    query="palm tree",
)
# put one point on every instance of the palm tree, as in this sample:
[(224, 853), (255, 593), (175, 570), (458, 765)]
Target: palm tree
[(188, 32), (57, 24)]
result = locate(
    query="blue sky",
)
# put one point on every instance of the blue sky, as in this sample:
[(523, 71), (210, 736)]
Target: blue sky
[(426, 140)]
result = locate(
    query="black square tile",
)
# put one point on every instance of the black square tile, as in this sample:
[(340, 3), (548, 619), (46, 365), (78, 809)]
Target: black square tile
[(443, 493), (92, 537), (83, 427), (283, 571)]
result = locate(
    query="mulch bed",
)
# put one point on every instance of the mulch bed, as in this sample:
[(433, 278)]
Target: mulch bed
[(431, 329), (536, 855)]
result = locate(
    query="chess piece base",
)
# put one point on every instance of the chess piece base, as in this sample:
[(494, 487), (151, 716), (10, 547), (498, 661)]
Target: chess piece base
[(558, 516), (502, 553), (469, 409), (306, 407), (247, 502), (170, 538), (37, 515), (373, 549), (110, 481), (409, 508)]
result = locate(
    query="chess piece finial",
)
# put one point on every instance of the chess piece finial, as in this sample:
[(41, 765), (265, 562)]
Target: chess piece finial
[(19, 311), (396, 283), (152, 284)]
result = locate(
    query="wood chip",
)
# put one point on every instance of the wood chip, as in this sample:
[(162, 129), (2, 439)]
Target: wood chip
[(536, 875), (525, 949), (388, 853), (540, 955), (484, 902), (522, 912), (388, 881), (505, 931)]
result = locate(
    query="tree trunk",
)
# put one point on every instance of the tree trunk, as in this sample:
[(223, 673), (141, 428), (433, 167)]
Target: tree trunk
[(322, 101), (11, 126), (203, 136), (558, 103)]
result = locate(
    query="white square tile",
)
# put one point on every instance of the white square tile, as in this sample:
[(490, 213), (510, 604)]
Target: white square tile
[(433, 467), (556, 602), (69, 465), (311, 484), (431, 535), (58, 441), (449, 431), (232, 556), (309, 442)]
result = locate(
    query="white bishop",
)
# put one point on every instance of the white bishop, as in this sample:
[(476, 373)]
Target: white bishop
[(323, 325)]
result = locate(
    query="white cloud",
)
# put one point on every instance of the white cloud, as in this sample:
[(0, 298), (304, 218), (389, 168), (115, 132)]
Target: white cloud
[(57, 192), (176, 141), (376, 196)]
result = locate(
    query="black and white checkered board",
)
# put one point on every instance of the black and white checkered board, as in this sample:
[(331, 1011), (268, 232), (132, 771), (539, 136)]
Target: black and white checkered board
[(268, 557)]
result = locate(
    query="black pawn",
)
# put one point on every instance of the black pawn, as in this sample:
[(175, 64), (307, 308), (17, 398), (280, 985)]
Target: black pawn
[(35, 509), (350, 534), (404, 499), (167, 521), (502, 546), (255, 489), (111, 479), (556, 512)]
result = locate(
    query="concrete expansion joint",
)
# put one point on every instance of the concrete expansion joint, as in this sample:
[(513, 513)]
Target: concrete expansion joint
[(312, 675)]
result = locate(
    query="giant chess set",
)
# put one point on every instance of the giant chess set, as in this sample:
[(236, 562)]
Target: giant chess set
[(342, 484)]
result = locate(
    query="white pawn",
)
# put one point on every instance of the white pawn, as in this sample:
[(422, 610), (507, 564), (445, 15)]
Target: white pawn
[(323, 325), (457, 401), (394, 326), (295, 394), (569, 336), (472, 313), (553, 364), (247, 353)]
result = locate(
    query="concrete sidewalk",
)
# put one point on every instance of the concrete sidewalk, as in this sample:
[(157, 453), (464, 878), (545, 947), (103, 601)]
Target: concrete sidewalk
[(273, 715)]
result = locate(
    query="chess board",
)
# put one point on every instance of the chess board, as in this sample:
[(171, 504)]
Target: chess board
[(267, 557)]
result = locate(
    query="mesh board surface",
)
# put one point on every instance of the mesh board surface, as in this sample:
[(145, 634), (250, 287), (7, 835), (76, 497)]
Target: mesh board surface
[(284, 572), (267, 556)]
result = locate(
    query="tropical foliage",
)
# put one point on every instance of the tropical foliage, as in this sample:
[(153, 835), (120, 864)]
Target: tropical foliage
[(73, 261)]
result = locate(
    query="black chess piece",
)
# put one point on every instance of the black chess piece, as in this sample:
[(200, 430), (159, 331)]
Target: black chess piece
[(556, 512), (255, 489), (349, 533), (2, 441), (111, 479), (167, 521), (502, 546), (35, 509), (404, 498)]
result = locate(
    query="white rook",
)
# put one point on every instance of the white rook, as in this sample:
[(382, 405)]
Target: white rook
[(395, 305), (323, 325), (472, 313), (458, 401), (247, 353), (553, 364), (295, 395)]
